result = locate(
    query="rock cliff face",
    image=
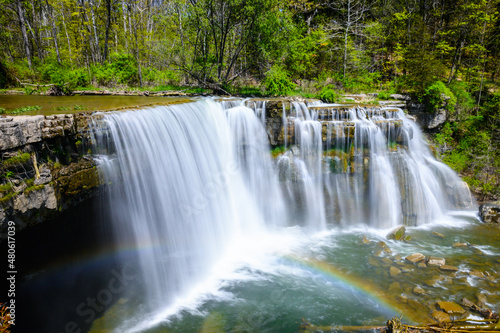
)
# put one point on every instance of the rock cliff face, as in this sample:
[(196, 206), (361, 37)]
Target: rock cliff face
[(490, 212), (45, 168), (278, 133)]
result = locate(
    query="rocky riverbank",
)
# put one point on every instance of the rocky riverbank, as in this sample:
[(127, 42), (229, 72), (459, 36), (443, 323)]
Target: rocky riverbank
[(453, 277)]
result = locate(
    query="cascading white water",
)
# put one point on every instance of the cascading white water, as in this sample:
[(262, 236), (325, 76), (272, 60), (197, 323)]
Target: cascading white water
[(254, 162), (363, 166), (188, 181), (185, 191)]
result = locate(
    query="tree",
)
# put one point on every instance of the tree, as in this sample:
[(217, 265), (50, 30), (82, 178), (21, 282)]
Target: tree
[(218, 32), (22, 25), (349, 21)]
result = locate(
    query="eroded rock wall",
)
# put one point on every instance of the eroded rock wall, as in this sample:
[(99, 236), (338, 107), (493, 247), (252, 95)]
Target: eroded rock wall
[(45, 167)]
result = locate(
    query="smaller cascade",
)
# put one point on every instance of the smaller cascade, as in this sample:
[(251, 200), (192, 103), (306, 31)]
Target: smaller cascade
[(356, 164)]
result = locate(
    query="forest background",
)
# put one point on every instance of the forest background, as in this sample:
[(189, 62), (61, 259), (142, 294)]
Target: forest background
[(442, 53)]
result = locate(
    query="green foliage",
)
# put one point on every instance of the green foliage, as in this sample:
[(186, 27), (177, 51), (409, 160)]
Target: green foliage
[(423, 70), (303, 50), (5, 188), (392, 145), (24, 109), (278, 82), (122, 69), (7, 197), (277, 151), (20, 158), (464, 101), (246, 91), (8, 174), (153, 75), (28, 90), (491, 110), (384, 95), (62, 75), (445, 135), (329, 94), (438, 95), (34, 188), (472, 152), (77, 78), (457, 160), (5, 77), (75, 107)]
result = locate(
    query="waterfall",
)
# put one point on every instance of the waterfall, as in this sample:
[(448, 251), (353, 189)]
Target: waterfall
[(188, 181), (192, 179)]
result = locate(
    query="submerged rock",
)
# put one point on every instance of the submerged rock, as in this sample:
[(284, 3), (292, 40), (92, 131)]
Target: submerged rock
[(450, 308), (387, 261), (481, 298), (448, 268), (469, 304), (365, 240), (433, 282), (490, 212), (477, 274), (418, 290), (440, 316), (381, 247), (393, 271), (395, 286), (437, 234)]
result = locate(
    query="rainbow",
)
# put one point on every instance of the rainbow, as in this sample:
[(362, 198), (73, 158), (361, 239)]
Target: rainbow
[(363, 286)]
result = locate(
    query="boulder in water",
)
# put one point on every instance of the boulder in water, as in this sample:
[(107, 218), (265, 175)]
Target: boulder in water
[(415, 257), (440, 316), (434, 261), (398, 233), (490, 212), (448, 268)]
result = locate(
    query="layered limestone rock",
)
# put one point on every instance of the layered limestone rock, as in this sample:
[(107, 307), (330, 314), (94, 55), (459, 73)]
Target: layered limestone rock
[(280, 116), (44, 167)]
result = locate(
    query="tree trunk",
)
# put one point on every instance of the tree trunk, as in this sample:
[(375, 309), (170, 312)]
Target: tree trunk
[(35, 32), (22, 23), (67, 35), (135, 23), (108, 24), (125, 37), (346, 34), (97, 49), (54, 30)]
